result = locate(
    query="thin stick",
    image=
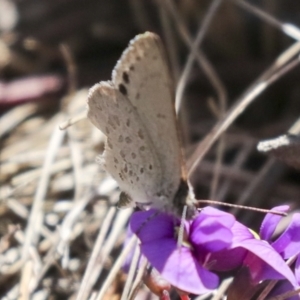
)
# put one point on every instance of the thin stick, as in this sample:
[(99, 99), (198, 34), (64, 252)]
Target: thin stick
[(286, 295), (35, 218), (14, 117), (236, 165), (288, 29), (71, 67), (240, 105), (116, 267), (66, 228), (194, 50), (36, 215), (295, 128), (197, 53), (217, 168), (263, 295), (138, 280), (272, 283), (222, 289), (131, 273), (265, 211), (88, 281), (77, 159), (255, 183)]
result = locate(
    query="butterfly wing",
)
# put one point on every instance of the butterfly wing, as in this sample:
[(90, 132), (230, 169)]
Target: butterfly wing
[(142, 75), (129, 155)]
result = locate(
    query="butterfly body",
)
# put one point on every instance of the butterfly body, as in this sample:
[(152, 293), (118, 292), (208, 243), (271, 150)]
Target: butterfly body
[(136, 112)]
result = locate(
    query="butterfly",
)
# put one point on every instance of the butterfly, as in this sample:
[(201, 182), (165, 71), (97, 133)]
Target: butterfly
[(135, 110)]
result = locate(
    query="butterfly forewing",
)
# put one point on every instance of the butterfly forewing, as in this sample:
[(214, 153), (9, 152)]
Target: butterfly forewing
[(142, 75), (129, 154)]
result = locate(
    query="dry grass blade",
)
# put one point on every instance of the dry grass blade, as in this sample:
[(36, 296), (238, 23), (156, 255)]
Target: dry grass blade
[(36, 215), (132, 270), (15, 117), (116, 267), (67, 228), (138, 279), (222, 289), (193, 55), (91, 272), (288, 29), (241, 104)]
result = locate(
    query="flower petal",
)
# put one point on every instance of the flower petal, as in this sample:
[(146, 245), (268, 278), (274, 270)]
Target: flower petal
[(226, 260), (270, 223), (179, 267), (288, 244), (152, 225), (211, 230), (264, 262), (297, 269), (280, 289)]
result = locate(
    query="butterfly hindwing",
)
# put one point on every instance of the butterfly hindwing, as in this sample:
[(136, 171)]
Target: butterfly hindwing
[(142, 74), (129, 155)]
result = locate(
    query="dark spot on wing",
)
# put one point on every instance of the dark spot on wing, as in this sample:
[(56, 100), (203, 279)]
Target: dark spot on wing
[(140, 134), (116, 119), (161, 116), (126, 77), (123, 89), (122, 154), (128, 140), (111, 122), (98, 106), (109, 144)]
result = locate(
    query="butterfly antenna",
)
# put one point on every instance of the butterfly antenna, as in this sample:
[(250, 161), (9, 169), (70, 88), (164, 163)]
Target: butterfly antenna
[(265, 211), (181, 228), (70, 122)]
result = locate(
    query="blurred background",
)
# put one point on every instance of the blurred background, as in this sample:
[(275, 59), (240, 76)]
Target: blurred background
[(54, 197)]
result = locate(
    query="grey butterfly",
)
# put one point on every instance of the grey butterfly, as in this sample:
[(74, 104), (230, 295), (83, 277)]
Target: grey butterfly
[(135, 110)]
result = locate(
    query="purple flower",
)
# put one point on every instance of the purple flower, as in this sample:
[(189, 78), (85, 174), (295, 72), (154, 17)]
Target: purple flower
[(213, 242), (263, 260), (184, 267), (288, 243)]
